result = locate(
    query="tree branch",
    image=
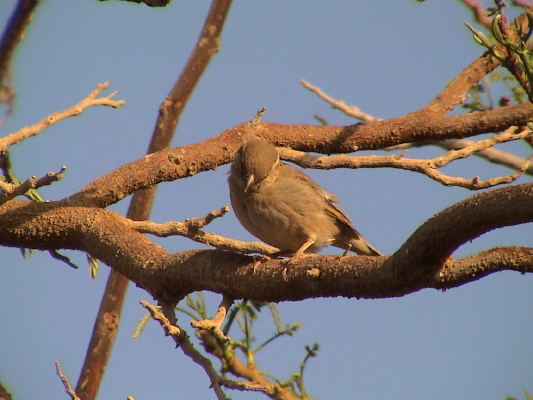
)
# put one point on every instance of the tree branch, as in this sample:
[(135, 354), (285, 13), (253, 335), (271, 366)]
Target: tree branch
[(181, 162), (107, 236), (89, 101), (14, 33), (466, 79), (192, 231), (167, 321), (428, 167), (11, 190), (169, 113)]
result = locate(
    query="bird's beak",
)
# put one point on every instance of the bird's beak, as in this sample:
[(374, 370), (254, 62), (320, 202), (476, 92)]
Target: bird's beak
[(249, 183)]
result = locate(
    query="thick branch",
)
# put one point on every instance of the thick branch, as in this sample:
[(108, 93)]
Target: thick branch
[(206, 47), (426, 251), (168, 165), (458, 272), (107, 236)]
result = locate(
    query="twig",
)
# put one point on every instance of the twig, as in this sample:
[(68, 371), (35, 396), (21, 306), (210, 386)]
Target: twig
[(184, 343), (89, 101), (190, 229), (66, 384), (215, 323), (12, 190), (425, 166), (257, 118), (351, 111)]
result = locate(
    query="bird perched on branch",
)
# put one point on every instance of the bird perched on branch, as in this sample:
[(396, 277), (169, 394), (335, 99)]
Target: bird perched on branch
[(285, 208)]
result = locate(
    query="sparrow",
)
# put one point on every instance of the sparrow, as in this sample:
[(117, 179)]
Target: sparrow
[(283, 207)]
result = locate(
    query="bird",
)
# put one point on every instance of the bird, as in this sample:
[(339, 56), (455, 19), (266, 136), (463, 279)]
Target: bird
[(282, 206)]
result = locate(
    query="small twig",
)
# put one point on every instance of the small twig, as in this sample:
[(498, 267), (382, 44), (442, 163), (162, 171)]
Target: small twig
[(184, 343), (190, 229), (196, 223), (170, 330), (215, 323), (322, 120), (12, 190), (425, 166), (492, 155), (257, 118), (66, 384), (351, 111), (77, 109), (508, 135)]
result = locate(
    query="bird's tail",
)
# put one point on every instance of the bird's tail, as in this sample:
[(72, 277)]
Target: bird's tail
[(362, 247)]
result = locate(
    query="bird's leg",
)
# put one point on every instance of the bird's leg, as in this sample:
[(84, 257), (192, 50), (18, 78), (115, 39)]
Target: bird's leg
[(300, 252), (278, 254), (347, 250), (297, 255)]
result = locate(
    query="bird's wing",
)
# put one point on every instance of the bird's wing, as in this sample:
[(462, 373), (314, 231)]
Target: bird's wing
[(330, 199)]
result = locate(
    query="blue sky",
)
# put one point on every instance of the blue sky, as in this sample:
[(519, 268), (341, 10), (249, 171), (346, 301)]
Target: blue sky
[(386, 57)]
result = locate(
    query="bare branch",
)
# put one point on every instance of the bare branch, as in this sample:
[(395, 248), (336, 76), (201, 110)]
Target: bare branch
[(215, 323), (428, 167), (11, 190), (77, 109), (14, 33), (168, 165), (492, 155), (190, 229), (351, 111), (141, 203), (175, 102), (169, 276), (458, 272), (66, 383), (182, 341)]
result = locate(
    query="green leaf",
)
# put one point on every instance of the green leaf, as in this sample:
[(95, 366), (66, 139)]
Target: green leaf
[(93, 266), (141, 324)]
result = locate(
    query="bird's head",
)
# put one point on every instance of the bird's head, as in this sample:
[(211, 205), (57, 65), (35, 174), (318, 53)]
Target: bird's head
[(257, 160)]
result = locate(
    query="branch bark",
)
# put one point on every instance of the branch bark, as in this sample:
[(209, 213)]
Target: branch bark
[(186, 161), (422, 262)]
